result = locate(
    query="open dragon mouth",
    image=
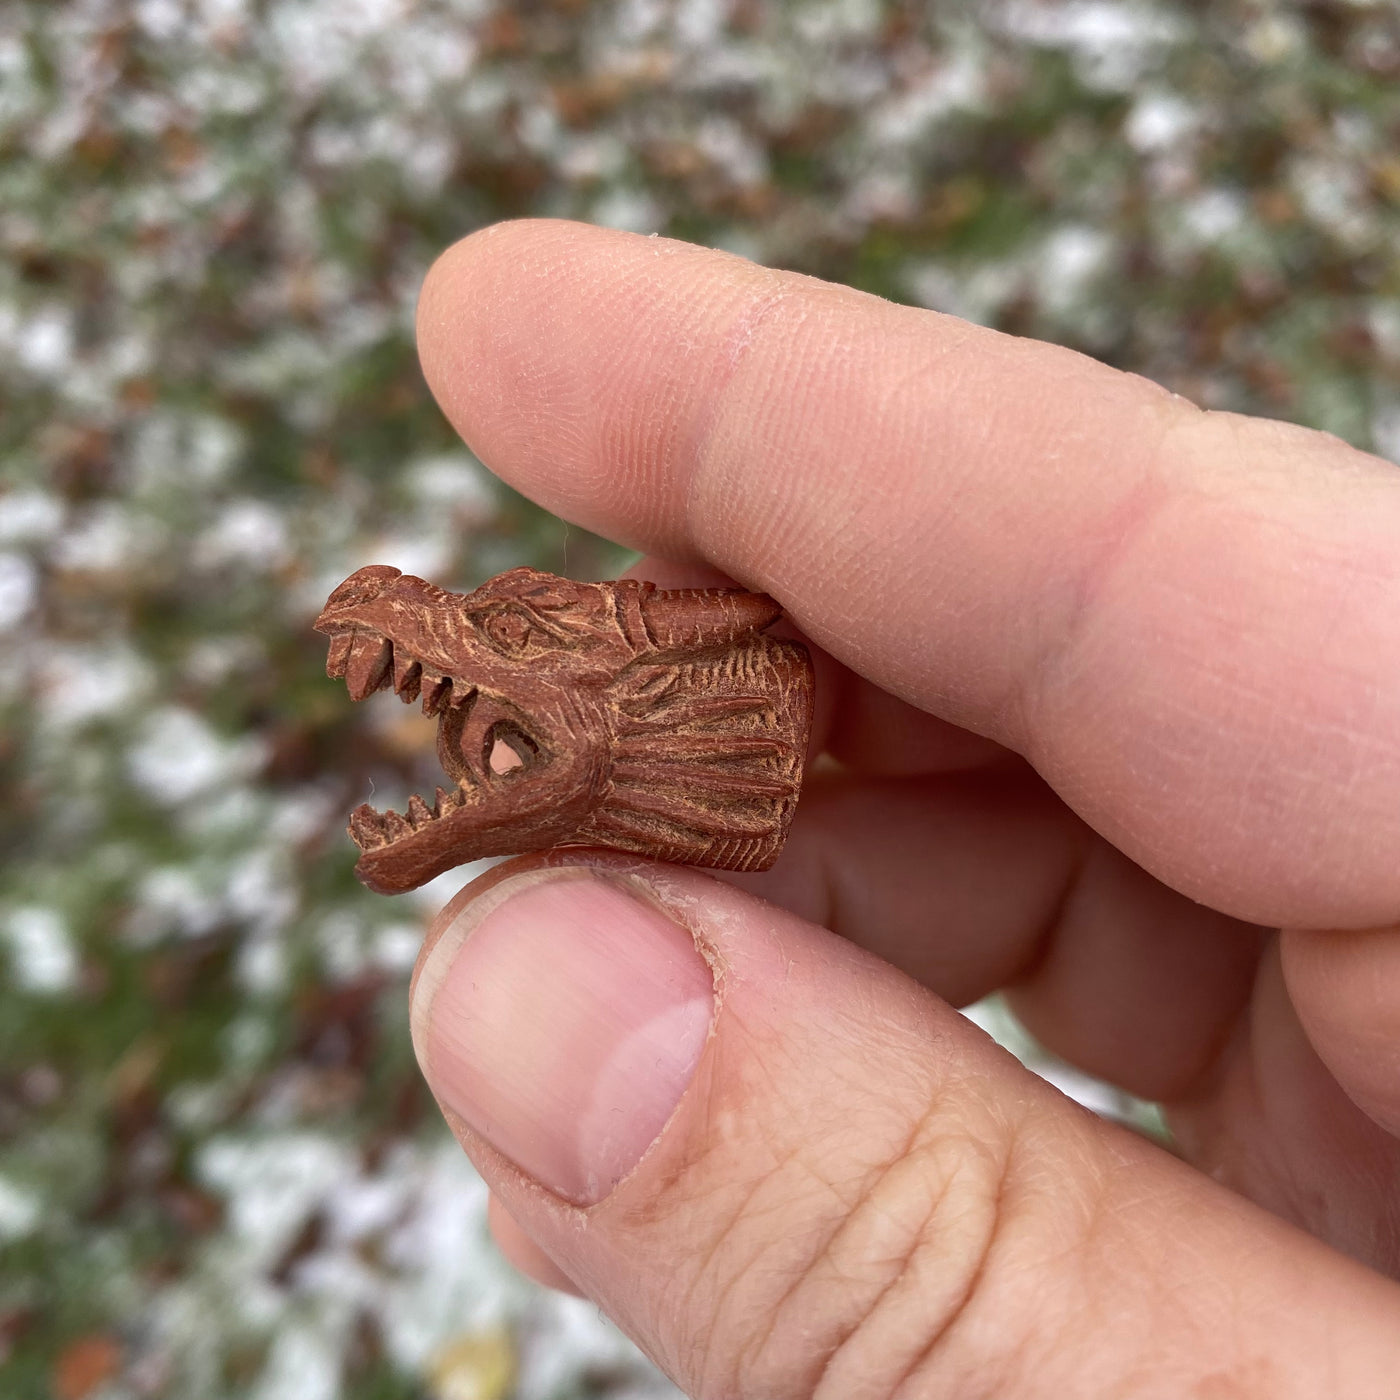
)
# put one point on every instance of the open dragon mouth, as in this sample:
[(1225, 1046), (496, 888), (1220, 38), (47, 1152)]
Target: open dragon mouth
[(482, 745)]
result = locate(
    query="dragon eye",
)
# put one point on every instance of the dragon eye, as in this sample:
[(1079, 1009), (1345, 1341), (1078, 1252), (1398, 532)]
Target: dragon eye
[(508, 630)]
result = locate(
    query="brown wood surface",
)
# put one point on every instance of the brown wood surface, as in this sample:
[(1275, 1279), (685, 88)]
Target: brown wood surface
[(662, 722)]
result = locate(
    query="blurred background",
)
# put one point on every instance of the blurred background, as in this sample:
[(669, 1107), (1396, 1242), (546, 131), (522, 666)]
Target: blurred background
[(220, 1174)]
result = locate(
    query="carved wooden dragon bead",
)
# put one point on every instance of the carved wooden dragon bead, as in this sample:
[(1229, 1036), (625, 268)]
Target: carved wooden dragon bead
[(661, 722)]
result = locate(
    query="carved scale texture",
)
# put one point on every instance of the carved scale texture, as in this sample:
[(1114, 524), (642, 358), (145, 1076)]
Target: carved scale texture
[(707, 756)]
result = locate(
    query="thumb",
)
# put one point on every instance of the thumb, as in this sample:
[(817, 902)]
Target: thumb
[(787, 1170)]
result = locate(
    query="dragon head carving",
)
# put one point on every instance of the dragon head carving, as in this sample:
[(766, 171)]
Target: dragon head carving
[(656, 721)]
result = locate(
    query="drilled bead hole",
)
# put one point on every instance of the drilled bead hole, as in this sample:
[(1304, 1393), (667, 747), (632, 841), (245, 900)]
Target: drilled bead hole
[(504, 758), (508, 749)]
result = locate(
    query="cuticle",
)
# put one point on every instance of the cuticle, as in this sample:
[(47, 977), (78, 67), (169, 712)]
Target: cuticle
[(640, 887)]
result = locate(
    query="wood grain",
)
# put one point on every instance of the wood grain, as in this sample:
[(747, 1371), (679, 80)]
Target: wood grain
[(657, 721)]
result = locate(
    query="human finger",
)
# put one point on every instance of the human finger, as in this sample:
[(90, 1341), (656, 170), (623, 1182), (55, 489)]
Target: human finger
[(1345, 986), (976, 881), (523, 1253), (1186, 621), (787, 1170), (855, 721), (1276, 1124), (967, 873)]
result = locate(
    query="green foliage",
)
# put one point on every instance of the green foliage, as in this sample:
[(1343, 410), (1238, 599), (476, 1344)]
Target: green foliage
[(214, 218)]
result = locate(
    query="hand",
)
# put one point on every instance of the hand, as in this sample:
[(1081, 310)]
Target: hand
[(1114, 689)]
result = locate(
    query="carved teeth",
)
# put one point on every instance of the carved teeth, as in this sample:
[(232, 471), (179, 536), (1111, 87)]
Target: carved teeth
[(408, 676), (437, 690), (365, 828), (371, 829), (369, 664), (338, 655)]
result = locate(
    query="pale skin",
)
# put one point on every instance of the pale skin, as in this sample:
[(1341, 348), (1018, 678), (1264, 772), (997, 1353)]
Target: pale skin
[(1112, 690)]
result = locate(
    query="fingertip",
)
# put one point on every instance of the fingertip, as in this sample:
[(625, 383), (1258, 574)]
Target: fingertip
[(524, 1254), (572, 1076), (1345, 987), (465, 303), (552, 346)]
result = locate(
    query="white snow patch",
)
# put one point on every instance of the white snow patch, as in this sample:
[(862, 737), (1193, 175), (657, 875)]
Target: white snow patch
[(958, 85), (20, 1211), (273, 1184), (1160, 121), (633, 211), (40, 950), (1071, 258), (428, 552), (29, 517), (396, 946), (44, 343), (259, 891), (172, 898), (1332, 193), (1213, 214), (975, 293), (177, 756), (161, 19), (109, 539), (1275, 38), (19, 589), (453, 1280), (304, 1364), (248, 531), (1113, 42), (452, 481), (261, 967)]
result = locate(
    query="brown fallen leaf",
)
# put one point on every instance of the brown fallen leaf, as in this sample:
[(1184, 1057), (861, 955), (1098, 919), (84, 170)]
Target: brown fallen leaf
[(85, 1364)]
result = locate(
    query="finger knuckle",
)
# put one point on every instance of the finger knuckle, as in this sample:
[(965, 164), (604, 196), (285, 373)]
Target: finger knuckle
[(871, 1273)]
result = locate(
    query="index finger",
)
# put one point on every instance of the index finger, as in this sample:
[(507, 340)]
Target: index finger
[(1190, 623)]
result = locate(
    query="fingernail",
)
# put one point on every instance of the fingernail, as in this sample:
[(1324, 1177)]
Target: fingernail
[(562, 1015)]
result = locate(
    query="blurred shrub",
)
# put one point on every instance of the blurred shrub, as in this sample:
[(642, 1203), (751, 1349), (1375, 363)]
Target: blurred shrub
[(219, 1174)]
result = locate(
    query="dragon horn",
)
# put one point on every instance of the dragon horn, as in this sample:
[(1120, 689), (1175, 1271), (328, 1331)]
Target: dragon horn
[(684, 618)]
